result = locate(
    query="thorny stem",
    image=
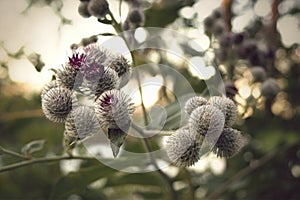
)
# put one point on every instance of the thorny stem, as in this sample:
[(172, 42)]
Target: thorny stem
[(42, 160)]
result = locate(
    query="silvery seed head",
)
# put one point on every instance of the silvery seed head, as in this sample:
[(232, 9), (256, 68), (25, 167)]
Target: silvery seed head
[(81, 122), (229, 143), (207, 121), (98, 8), (122, 67), (194, 103), (113, 109), (183, 149), (49, 86), (67, 76), (57, 103), (228, 108)]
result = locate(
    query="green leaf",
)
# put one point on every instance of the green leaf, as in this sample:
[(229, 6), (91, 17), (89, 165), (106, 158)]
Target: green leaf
[(33, 146), (75, 182)]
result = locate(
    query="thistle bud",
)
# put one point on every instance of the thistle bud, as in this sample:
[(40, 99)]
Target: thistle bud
[(113, 109), (49, 86), (98, 8), (206, 120), (95, 56), (229, 143), (57, 103), (123, 69), (194, 103), (183, 149), (81, 122), (136, 17), (67, 77), (83, 9), (270, 88), (108, 80), (218, 28), (228, 108)]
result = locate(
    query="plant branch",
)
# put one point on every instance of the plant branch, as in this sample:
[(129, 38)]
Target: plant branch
[(149, 148), (12, 153), (242, 173), (147, 143), (42, 160)]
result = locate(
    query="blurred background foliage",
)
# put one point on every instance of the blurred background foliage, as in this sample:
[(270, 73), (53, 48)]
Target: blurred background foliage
[(268, 166)]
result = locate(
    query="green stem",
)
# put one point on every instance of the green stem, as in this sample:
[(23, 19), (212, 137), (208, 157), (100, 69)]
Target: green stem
[(12, 153), (115, 24), (147, 143), (166, 178), (42, 160)]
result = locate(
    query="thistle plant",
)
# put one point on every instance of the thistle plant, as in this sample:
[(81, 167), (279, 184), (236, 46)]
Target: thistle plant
[(98, 72), (209, 122)]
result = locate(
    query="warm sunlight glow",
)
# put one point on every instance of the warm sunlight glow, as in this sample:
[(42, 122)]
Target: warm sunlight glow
[(245, 91), (150, 89)]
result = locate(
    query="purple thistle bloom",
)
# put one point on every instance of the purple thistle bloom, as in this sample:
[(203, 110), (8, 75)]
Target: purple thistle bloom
[(77, 60)]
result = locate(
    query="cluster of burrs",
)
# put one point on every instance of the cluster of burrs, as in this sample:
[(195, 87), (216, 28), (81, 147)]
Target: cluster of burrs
[(209, 126), (98, 74)]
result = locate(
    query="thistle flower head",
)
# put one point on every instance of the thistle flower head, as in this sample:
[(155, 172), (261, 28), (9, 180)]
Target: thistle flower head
[(122, 67), (108, 81), (94, 61), (49, 86), (183, 149), (77, 60), (57, 103), (228, 108), (98, 8), (206, 120), (67, 77), (229, 143), (113, 109), (194, 103), (81, 122)]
